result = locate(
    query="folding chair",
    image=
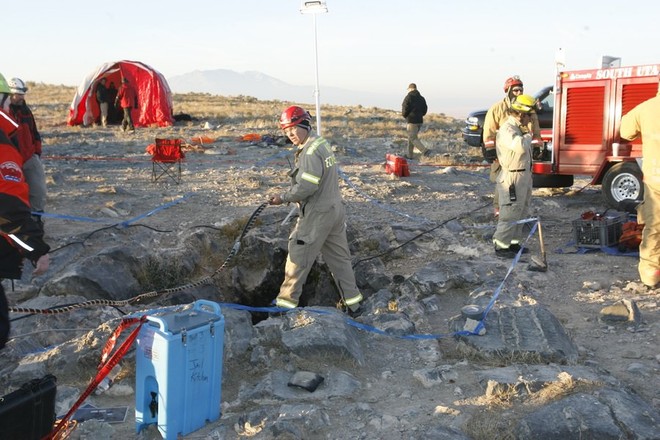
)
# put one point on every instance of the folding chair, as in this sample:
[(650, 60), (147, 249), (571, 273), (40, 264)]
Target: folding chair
[(166, 159)]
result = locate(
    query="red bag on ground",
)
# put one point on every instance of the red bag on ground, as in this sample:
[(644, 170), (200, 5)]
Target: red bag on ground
[(396, 165)]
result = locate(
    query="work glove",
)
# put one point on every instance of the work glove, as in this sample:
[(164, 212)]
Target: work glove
[(275, 199), (490, 154)]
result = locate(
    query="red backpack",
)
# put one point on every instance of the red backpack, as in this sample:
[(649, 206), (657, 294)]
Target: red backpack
[(631, 235)]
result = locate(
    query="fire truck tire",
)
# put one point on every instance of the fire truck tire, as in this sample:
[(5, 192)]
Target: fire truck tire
[(552, 180), (622, 184)]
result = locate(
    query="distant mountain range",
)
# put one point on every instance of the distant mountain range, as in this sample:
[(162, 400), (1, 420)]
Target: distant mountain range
[(258, 85)]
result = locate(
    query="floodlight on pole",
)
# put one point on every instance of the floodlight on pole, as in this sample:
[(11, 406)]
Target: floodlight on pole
[(315, 7), (610, 61)]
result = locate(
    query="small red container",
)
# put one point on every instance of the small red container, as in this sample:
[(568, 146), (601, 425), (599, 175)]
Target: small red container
[(396, 165)]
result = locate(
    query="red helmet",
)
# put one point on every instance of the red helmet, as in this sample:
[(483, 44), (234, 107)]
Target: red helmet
[(293, 116), (513, 81)]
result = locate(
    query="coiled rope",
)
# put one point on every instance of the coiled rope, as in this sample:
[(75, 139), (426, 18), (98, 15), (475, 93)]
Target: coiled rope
[(155, 293)]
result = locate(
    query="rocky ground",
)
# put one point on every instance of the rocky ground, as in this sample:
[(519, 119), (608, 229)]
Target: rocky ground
[(383, 387)]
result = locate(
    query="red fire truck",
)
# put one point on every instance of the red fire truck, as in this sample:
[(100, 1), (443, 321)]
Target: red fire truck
[(588, 107)]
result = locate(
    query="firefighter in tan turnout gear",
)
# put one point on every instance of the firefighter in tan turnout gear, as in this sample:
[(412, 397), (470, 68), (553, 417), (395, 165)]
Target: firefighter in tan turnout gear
[(514, 181), (495, 117), (321, 226), (645, 120)]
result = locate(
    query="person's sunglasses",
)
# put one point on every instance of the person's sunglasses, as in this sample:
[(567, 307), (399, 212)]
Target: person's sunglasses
[(517, 89)]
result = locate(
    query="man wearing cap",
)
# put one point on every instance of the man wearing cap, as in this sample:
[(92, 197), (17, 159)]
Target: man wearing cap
[(495, 117), (28, 140), (413, 109), (321, 226), (644, 120), (514, 181)]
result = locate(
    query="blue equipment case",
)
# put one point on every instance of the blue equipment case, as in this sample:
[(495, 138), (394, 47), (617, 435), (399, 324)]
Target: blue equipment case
[(178, 369)]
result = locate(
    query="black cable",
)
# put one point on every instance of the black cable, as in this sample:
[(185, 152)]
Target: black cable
[(420, 234), (103, 229)]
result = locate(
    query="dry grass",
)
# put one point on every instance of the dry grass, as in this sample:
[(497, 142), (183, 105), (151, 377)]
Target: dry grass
[(490, 424), (460, 350), (158, 274), (505, 404), (231, 115), (50, 103), (338, 121)]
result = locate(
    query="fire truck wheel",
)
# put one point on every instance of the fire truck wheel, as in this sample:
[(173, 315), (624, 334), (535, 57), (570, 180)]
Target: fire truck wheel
[(622, 184), (552, 180)]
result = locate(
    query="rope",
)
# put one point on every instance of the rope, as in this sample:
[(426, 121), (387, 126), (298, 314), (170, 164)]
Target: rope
[(155, 293)]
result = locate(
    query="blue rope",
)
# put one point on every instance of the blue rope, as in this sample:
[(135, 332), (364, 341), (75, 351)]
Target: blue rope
[(153, 211), (75, 218), (348, 320), (113, 222)]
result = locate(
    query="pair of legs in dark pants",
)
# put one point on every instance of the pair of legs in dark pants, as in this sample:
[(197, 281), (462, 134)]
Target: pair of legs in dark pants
[(319, 233), (127, 122), (4, 318), (414, 141)]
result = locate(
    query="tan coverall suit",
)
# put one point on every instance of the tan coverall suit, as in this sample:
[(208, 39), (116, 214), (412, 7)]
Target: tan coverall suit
[(495, 117), (645, 120), (321, 226), (514, 150)]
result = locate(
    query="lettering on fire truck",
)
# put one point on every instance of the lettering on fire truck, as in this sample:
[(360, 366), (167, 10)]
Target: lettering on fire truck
[(613, 73)]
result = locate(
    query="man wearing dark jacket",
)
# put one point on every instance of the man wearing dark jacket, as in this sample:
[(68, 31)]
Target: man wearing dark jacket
[(102, 99), (413, 110), (20, 235)]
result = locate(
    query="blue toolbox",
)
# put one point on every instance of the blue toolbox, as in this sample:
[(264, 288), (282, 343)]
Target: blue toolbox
[(178, 369)]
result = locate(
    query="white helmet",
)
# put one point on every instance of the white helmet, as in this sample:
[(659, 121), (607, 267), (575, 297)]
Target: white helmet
[(16, 85)]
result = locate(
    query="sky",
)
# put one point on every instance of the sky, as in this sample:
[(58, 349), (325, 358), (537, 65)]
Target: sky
[(459, 53)]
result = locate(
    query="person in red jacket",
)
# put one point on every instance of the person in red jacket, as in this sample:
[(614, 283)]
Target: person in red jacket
[(20, 235), (127, 99), (28, 140)]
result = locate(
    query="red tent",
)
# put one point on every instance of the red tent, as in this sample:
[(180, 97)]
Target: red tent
[(154, 95)]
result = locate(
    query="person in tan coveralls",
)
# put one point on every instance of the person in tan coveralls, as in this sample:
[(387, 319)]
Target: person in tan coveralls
[(514, 180), (495, 117), (644, 120), (321, 226)]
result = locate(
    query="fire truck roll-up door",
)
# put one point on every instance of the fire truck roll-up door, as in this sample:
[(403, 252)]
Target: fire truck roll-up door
[(583, 116), (632, 93)]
